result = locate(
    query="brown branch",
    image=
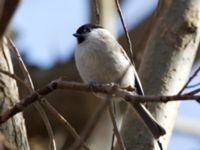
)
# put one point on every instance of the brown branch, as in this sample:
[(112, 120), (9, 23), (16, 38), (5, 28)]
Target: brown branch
[(21, 64), (90, 125), (31, 89), (116, 131), (192, 86), (47, 104), (106, 89), (94, 119), (44, 101), (65, 123), (14, 76), (125, 29), (193, 92), (190, 79)]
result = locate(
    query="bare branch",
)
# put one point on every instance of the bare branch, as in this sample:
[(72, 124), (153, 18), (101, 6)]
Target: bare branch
[(193, 92), (192, 86), (21, 64), (65, 123), (14, 76), (52, 110), (106, 89), (31, 89), (91, 124), (190, 79), (47, 125), (125, 30), (116, 131)]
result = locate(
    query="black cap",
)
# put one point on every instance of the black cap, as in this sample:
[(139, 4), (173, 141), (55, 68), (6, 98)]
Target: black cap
[(83, 30)]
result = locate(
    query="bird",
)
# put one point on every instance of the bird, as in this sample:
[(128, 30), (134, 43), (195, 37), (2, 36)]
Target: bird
[(99, 58)]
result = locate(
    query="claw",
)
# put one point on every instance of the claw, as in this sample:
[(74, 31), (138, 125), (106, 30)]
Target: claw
[(92, 84)]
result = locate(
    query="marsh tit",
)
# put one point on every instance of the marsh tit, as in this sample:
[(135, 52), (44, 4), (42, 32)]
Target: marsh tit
[(101, 59)]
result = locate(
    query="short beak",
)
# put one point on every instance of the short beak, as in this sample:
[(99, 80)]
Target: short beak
[(77, 35)]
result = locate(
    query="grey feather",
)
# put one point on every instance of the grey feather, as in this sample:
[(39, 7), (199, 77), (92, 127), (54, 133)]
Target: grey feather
[(101, 59)]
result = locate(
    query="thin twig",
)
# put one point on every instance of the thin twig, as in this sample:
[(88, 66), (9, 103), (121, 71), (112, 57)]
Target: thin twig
[(21, 64), (90, 125), (113, 135), (116, 131), (192, 86), (65, 123), (97, 11), (125, 30), (44, 102), (190, 79), (31, 89), (14, 76), (105, 89), (47, 125), (193, 92), (94, 119)]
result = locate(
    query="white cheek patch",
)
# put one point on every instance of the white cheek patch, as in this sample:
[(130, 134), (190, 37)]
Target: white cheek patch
[(100, 33)]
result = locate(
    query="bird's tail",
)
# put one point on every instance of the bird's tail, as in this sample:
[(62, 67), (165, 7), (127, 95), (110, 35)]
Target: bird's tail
[(156, 129)]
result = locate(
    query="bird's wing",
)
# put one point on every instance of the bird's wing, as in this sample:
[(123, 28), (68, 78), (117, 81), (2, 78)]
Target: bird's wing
[(138, 84)]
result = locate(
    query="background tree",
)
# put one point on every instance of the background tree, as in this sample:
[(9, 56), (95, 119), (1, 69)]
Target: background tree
[(14, 129), (169, 42), (166, 64)]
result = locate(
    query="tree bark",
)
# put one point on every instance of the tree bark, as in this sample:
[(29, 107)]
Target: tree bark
[(107, 14), (14, 129), (165, 67)]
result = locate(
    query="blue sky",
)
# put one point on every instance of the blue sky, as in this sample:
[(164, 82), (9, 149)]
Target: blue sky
[(46, 27), (45, 30)]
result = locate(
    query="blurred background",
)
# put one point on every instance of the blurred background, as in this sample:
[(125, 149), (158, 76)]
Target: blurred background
[(43, 30)]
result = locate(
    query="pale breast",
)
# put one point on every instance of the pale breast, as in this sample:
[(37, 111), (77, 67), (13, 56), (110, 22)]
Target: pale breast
[(101, 65)]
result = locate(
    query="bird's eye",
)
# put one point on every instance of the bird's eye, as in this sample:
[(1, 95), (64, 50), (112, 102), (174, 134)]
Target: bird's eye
[(86, 30)]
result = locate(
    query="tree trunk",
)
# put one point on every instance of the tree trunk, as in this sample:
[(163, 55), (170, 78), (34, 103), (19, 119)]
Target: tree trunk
[(14, 129), (165, 67), (107, 14)]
